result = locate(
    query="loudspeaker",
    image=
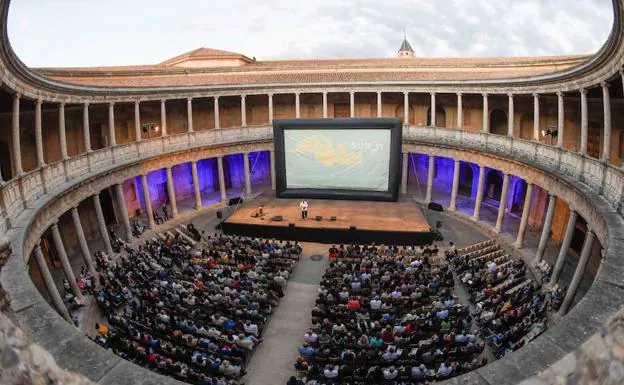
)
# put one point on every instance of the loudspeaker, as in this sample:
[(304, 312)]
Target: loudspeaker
[(219, 214), (319, 218), (352, 228), (235, 201), (438, 224), (435, 206), (333, 219), (277, 218), (291, 225)]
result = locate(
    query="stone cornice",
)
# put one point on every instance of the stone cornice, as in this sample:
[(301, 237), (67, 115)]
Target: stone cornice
[(602, 66)]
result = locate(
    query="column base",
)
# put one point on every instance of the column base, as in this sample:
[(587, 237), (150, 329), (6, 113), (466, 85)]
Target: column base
[(497, 230)]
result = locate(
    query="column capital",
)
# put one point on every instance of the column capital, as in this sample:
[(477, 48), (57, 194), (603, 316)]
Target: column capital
[(39, 102), (215, 97), (189, 99), (163, 101), (459, 93), (404, 92), (243, 96), (74, 208), (621, 71), (604, 84), (194, 161), (551, 195), (456, 161), (111, 104), (432, 93), (510, 95), (351, 92), (536, 95), (85, 105), (590, 232), (62, 105), (583, 91), (572, 210), (54, 225), (17, 96), (324, 92), (484, 94), (137, 102), (560, 94), (270, 94), (379, 92)]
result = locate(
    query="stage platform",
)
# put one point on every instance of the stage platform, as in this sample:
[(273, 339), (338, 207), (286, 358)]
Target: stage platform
[(398, 223)]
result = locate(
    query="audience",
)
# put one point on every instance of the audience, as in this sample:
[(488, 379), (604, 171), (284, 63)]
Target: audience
[(386, 314), (193, 314)]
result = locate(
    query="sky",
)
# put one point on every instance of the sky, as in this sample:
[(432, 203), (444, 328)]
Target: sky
[(66, 33)]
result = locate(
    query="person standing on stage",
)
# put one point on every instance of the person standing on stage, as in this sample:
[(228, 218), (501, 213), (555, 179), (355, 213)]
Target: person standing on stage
[(303, 205)]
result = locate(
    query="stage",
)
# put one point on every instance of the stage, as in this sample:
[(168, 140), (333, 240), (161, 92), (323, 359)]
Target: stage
[(398, 223)]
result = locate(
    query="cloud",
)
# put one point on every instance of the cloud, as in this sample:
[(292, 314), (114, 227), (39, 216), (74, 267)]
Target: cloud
[(149, 31)]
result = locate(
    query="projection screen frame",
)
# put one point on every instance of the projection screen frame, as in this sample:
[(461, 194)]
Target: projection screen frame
[(390, 195)]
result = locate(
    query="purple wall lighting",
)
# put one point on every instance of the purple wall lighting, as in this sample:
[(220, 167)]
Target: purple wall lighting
[(234, 171), (183, 181), (443, 174), (260, 167)]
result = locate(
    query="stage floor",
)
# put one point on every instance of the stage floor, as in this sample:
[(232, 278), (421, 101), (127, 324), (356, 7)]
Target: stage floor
[(402, 216)]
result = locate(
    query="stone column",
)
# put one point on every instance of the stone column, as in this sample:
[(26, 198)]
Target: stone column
[(163, 116), (536, 117), (406, 108), (526, 212), (510, 117), (550, 211), (565, 246), (149, 212), (486, 114), (479, 197), (606, 105), (433, 109), (124, 211), (502, 206), (171, 193), (352, 104), (272, 160), (189, 114), (584, 121), (137, 121), (86, 131), (297, 105), (111, 124), (243, 110), (270, 108), (430, 178), (460, 111), (578, 273), (221, 179), (455, 187), (15, 130), (102, 224), (62, 133), (379, 105), (38, 135), (198, 199), (247, 174), (82, 241), (404, 170), (67, 269), (560, 119), (325, 113), (50, 285), (216, 112)]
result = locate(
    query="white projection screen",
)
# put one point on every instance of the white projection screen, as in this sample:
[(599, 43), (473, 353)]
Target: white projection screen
[(338, 158), (342, 158)]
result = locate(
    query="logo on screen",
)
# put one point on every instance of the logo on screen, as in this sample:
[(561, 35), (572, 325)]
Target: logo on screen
[(325, 152), (367, 146)]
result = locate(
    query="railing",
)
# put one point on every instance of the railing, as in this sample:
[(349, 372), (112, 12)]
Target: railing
[(596, 188)]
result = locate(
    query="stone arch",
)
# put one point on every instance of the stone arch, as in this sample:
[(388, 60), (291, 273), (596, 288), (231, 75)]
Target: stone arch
[(498, 122), (399, 113), (518, 196), (466, 175), (440, 116), (493, 185)]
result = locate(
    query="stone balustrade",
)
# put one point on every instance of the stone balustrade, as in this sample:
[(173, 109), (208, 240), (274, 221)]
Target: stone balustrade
[(34, 201)]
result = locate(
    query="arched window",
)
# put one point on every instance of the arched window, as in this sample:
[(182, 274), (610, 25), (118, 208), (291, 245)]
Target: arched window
[(440, 116), (498, 122)]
